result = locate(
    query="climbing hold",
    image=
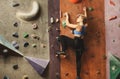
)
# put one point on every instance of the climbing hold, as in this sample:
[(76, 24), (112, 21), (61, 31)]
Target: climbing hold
[(57, 20), (64, 24), (92, 56), (34, 45), (49, 28), (104, 57), (66, 74), (57, 29), (87, 73), (16, 46), (75, 1), (14, 43), (113, 67), (112, 3), (90, 9), (35, 36), (29, 16), (114, 62), (58, 38), (5, 51), (15, 67), (112, 18), (35, 26), (15, 24), (113, 40), (98, 72), (51, 20), (26, 44), (57, 75), (61, 53), (90, 0), (26, 35), (15, 34), (15, 4), (97, 34), (5, 77), (25, 77), (43, 45)]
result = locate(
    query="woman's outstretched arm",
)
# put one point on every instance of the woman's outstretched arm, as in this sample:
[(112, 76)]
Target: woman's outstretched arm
[(68, 24)]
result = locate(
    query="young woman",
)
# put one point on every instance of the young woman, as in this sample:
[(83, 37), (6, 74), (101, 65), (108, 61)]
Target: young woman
[(78, 43)]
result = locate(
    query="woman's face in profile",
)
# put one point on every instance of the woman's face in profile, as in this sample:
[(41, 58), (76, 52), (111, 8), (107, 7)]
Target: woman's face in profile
[(80, 18)]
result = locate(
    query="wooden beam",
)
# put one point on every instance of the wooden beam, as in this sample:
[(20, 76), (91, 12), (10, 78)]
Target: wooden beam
[(53, 11)]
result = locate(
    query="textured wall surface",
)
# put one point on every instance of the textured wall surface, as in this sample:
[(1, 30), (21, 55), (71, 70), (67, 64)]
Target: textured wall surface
[(7, 20), (112, 9)]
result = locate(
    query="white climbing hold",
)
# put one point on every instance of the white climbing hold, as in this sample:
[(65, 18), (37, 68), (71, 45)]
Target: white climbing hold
[(29, 15), (51, 20), (113, 68), (43, 45), (5, 50), (35, 26), (57, 20), (25, 77)]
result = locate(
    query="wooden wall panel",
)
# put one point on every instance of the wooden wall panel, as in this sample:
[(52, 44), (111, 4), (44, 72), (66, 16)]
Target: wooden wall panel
[(93, 59)]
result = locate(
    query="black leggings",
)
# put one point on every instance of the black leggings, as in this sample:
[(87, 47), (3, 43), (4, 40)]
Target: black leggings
[(79, 48), (77, 44)]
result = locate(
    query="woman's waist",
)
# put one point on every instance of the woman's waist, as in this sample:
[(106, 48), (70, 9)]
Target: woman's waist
[(78, 36)]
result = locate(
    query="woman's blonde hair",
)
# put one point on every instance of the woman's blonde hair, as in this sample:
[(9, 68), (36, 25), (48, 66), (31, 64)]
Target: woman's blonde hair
[(81, 15)]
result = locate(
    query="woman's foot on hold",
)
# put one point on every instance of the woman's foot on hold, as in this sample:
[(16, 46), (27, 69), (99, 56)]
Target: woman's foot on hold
[(64, 56), (61, 53)]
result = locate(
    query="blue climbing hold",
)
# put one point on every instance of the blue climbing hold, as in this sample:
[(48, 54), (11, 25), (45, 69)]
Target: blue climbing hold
[(6, 77)]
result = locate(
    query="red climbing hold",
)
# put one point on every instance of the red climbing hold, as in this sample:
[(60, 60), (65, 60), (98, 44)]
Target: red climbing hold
[(112, 3), (112, 18), (75, 1)]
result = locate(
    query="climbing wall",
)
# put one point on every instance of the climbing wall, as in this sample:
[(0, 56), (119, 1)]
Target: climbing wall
[(112, 9), (94, 58), (28, 32), (54, 31)]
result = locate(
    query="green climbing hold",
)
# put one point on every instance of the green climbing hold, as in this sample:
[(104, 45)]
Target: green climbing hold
[(114, 66), (25, 35), (90, 9), (64, 24)]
